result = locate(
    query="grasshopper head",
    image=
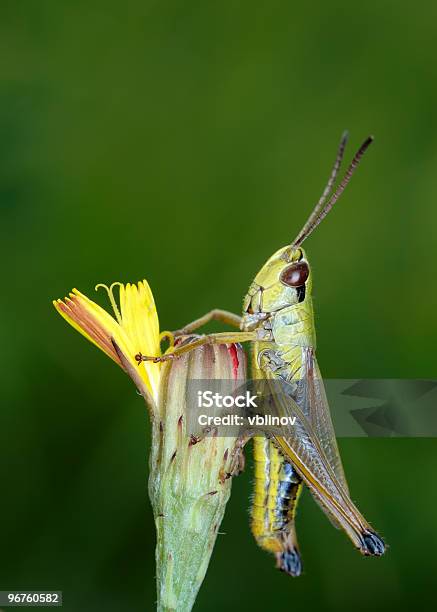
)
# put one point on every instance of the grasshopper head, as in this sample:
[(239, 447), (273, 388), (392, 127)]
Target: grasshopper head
[(286, 277), (284, 280)]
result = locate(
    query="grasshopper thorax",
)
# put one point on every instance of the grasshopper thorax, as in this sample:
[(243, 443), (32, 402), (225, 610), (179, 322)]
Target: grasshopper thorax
[(284, 280)]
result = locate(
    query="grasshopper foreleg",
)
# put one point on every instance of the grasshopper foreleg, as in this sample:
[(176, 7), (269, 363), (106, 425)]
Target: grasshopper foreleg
[(224, 316), (220, 338)]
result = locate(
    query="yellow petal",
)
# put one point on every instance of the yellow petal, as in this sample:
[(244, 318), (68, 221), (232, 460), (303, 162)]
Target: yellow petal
[(140, 322), (137, 331), (89, 322)]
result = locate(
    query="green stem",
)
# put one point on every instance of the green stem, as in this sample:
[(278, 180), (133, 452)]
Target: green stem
[(189, 487)]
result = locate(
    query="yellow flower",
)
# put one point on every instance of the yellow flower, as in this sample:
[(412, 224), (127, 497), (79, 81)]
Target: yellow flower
[(135, 329), (190, 471)]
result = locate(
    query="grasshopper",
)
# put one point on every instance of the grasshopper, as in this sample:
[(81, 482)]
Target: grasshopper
[(278, 321)]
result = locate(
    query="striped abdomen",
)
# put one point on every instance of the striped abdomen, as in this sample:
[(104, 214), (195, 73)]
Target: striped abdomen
[(277, 489)]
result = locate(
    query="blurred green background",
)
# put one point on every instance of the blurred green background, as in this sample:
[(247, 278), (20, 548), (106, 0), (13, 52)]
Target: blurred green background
[(185, 142)]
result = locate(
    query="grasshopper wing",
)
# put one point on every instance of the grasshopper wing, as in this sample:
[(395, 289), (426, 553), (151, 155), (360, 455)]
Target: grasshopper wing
[(301, 444), (314, 404)]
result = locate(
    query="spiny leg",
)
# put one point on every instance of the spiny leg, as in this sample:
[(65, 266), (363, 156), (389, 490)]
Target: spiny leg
[(224, 316), (220, 338)]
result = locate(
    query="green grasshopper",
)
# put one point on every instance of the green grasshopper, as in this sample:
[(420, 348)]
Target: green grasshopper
[(278, 321)]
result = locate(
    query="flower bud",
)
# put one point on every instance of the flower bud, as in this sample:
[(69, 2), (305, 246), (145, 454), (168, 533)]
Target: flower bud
[(190, 475)]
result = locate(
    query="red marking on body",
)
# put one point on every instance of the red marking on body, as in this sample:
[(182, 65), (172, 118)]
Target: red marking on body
[(234, 356)]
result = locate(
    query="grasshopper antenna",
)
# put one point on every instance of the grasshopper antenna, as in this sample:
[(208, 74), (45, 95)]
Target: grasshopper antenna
[(321, 213), (313, 216)]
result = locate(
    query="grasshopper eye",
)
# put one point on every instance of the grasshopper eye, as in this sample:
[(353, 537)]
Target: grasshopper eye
[(295, 275)]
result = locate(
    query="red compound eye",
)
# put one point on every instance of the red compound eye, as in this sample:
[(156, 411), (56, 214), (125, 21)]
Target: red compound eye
[(295, 275)]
